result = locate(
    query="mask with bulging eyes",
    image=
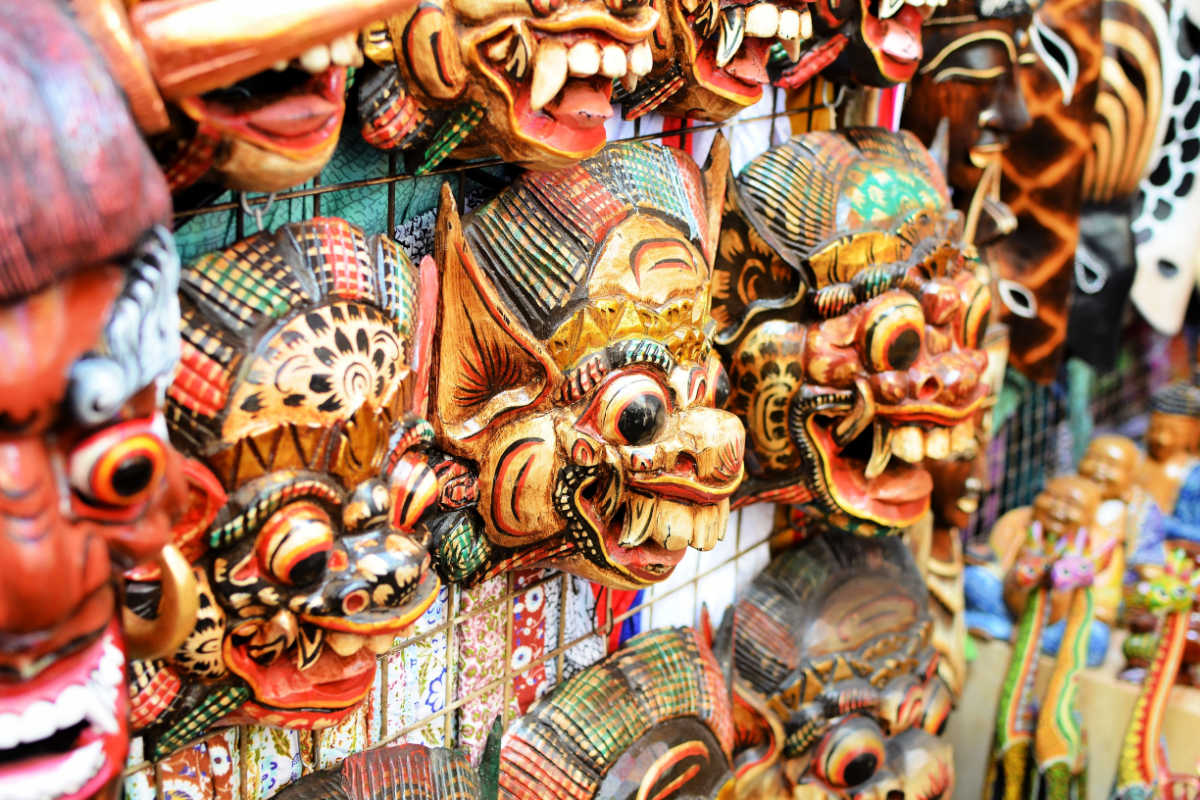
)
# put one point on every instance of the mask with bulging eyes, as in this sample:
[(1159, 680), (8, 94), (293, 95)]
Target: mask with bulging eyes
[(852, 326), (834, 676), (298, 394), (575, 375)]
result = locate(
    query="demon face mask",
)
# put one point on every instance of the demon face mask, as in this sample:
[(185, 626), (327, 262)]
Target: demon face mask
[(89, 331), (298, 391), (851, 325), (575, 374), (835, 685)]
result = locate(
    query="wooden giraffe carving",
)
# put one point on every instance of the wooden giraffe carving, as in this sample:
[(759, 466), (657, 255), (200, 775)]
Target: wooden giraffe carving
[(1059, 743), (1142, 770), (1008, 768), (1042, 185)]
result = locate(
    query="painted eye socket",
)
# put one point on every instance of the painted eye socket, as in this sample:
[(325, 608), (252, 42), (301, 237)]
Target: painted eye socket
[(850, 753), (120, 466), (632, 410), (294, 544), (893, 334), (976, 311), (938, 703)]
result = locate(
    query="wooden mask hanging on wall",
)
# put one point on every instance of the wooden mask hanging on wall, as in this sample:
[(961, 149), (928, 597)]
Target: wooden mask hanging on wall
[(528, 81), (575, 376), (89, 331), (300, 390), (851, 325), (834, 679), (249, 95)]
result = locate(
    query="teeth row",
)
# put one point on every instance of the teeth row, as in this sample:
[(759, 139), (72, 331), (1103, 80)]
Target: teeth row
[(673, 525), (911, 444), (347, 644), (65, 777), (761, 21), (94, 701), (342, 51), (888, 8), (552, 62)]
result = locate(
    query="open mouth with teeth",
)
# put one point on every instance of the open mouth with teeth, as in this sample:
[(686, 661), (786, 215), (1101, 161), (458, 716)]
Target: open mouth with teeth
[(318, 678), (732, 60), (891, 30), (63, 734), (644, 524), (873, 468), (556, 74), (293, 110)]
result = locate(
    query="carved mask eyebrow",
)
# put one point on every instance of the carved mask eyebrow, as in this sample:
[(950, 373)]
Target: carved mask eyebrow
[(999, 37)]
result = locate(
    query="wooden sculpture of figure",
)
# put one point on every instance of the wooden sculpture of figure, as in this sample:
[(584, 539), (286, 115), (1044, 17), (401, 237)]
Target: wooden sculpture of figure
[(967, 84), (851, 324), (835, 685), (88, 483), (249, 95), (1172, 442), (1142, 769), (1027, 585), (530, 82), (1066, 504), (300, 388), (1060, 743), (575, 380)]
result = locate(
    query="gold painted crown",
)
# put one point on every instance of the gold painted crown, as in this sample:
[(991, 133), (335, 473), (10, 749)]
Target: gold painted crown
[(602, 322)]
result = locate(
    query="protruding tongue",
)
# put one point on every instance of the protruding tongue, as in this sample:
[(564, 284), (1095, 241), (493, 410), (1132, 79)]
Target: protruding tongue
[(582, 103), (750, 64), (902, 35)]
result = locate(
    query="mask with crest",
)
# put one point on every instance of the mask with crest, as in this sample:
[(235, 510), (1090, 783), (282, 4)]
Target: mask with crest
[(300, 392), (851, 324), (575, 376)]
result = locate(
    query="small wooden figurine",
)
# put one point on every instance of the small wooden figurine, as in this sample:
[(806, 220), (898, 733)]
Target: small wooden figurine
[(851, 324), (88, 482), (300, 390), (575, 383)]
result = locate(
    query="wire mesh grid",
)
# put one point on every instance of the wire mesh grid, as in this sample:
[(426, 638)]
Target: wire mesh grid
[(256, 762)]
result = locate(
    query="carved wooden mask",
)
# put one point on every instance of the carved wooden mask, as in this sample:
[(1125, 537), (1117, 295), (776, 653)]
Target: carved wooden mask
[(711, 58), (836, 692), (651, 720), (575, 371), (298, 389), (89, 329), (532, 78), (249, 95), (851, 325)]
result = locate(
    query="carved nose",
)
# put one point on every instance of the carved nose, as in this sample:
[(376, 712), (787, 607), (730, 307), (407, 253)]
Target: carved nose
[(929, 388)]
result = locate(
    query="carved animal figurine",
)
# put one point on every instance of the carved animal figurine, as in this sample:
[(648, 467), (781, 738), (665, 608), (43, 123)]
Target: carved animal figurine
[(575, 380), (1142, 769), (88, 482), (250, 95), (301, 388), (967, 85), (835, 685), (1009, 776), (1059, 743), (652, 720), (851, 325), (530, 83)]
